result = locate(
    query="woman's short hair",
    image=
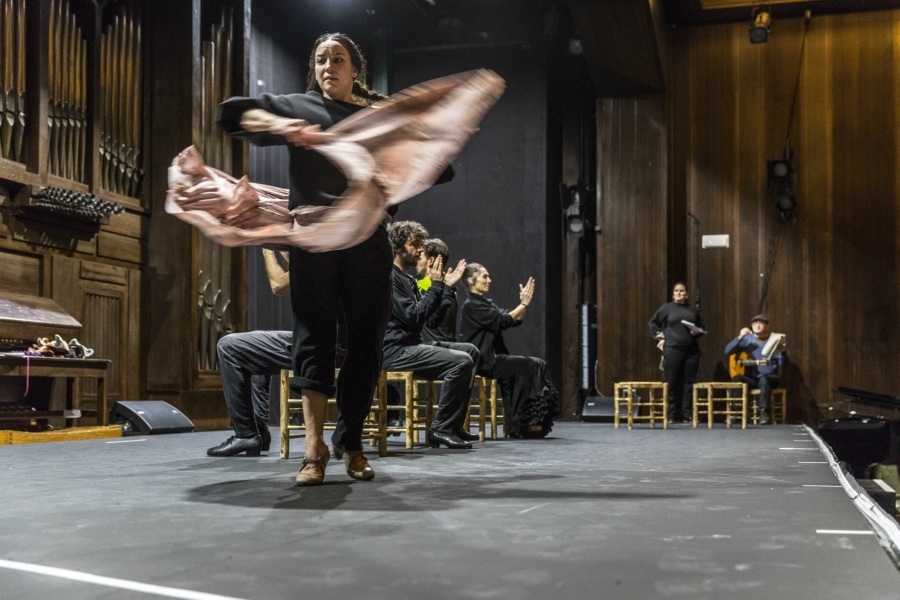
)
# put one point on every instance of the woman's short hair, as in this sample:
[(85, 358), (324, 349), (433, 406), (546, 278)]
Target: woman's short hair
[(471, 271)]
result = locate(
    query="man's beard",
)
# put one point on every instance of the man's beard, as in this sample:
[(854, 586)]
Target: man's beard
[(409, 259)]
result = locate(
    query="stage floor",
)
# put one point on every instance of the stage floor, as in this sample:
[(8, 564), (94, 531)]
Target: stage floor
[(591, 512)]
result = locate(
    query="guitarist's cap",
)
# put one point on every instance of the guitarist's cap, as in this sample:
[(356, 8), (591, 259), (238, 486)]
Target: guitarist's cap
[(759, 318)]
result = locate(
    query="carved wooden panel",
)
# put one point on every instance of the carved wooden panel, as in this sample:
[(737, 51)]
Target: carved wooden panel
[(21, 273)]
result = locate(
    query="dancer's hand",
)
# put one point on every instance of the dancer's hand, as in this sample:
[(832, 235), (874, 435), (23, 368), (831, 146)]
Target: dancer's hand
[(453, 275)]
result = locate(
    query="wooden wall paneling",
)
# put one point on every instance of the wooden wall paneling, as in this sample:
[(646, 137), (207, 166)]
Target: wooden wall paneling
[(21, 273), (104, 321), (865, 209), (128, 223), (105, 300), (169, 289), (714, 190), (119, 247), (171, 281), (745, 208), (810, 309), (823, 274), (632, 201)]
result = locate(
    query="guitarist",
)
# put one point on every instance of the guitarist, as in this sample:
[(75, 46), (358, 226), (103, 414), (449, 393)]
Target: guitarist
[(750, 366)]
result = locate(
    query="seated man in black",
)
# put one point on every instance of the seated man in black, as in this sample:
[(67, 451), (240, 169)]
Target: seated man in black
[(452, 362), (444, 330), (247, 360), (749, 365)]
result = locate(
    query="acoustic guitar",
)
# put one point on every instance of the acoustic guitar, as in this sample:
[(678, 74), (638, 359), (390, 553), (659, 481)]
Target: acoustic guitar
[(738, 363)]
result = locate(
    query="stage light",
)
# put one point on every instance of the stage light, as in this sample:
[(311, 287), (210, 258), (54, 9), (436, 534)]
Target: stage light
[(575, 224), (762, 23), (779, 170), (786, 202)]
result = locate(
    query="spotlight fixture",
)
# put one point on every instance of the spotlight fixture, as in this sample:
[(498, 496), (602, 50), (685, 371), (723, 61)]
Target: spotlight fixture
[(785, 201), (779, 170), (572, 208), (575, 224), (762, 23)]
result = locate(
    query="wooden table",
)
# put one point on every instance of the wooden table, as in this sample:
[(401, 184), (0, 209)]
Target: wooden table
[(14, 365)]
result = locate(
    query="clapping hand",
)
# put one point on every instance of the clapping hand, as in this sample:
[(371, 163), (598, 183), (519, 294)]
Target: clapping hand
[(435, 271), (455, 274), (526, 291)]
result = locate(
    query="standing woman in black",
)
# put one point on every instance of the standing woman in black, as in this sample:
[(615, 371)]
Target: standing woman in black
[(358, 279), (681, 354)]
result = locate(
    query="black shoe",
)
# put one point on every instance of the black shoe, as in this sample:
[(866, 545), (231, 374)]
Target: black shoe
[(235, 445), (763, 418), (265, 437), (435, 440), (466, 436)]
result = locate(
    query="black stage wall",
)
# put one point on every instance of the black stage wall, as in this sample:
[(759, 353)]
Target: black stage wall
[(496, 211)]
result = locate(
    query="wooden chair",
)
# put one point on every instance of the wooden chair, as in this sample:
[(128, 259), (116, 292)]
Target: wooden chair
[(417, 408), (375, 427), (717, 398), (636, 396), (486, 400), (777, 405)]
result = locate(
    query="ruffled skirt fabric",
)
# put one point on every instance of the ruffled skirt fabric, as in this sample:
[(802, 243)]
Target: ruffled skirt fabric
[(530, 400)]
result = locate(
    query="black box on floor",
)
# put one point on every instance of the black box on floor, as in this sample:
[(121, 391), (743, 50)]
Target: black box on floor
[(148, 417), (598, 408), (858, 443)]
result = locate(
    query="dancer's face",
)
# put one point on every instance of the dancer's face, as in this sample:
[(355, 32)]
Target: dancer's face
[(679, 294), (334, 71), (481, 283), (412, 250)]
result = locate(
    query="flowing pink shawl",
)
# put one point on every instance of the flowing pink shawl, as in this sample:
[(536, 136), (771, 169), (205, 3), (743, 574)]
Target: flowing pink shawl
[(388, 152)]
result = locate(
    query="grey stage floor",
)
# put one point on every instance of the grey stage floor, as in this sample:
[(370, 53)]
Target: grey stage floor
[(592, 512)]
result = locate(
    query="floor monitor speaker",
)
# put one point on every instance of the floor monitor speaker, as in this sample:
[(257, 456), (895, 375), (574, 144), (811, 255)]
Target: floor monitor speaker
[(148, 417), (597, 408)]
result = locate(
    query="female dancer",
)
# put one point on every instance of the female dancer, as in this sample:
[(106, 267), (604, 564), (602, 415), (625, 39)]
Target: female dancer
[(529, 398), (320, 282)]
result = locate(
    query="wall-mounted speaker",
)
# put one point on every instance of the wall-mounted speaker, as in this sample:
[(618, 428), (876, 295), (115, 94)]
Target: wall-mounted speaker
[(148, 417)]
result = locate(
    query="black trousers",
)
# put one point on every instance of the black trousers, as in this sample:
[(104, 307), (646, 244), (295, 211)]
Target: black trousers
[(764, 383), (680, 366), (357, 280)]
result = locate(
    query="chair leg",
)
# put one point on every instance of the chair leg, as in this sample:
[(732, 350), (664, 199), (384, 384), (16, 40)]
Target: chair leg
[(285, 417), (409, 392)]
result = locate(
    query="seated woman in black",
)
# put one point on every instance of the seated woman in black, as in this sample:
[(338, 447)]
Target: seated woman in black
[(529, 398)]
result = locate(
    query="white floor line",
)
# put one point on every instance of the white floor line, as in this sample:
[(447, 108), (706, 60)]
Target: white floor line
[(126, 441), (845, 532), (522, 512), (122, 584)]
